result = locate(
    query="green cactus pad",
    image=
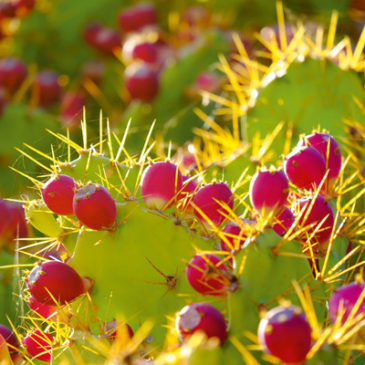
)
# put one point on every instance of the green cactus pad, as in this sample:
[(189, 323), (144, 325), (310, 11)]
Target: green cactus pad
[(97, 168), (125, 281), (42, 219), (310, 94)]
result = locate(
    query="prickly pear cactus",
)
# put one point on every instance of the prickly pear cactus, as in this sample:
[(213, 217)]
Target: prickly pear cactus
[(197, 276)]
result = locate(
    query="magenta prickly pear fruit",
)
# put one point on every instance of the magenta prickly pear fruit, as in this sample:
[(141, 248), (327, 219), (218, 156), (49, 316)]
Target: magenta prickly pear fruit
[(206, 274), (269, 191), (201, 317), (17, 223), (305, 167), (2, 101), (142, 82), (208, 201), (94, 207), (90, 32), (4, 220), (11, 340), (286, 334), (146, 52), (107, 40), (7, 9), (39, 345), (58, 193), (46, 89), (12, 221), (324, 142), (283, 222), (24, 7), (12, 73), (134, 18), (236, 235), (54, 282), (45, 311), (160, 183), (344, 299), (320, 211)]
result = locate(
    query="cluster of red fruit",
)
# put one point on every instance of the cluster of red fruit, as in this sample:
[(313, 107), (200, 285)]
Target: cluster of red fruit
[(46, 90), (146, 58), (142, 46), (53, 283), (163, 185), (283, 332), (312, 167), (92, 204)]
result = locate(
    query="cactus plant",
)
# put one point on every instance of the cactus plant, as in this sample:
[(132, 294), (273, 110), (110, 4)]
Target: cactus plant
[(160, 271)]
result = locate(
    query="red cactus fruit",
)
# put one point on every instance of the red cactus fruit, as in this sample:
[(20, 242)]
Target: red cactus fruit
[(343, 300), (312, 217), (201, 317), (11, 341), (12, 221), (17, 222), (90, 32), (2, 101), (142, 82), (134, 18), (286, 334), (160, 182), (107, 40), (94, 207), (43, 310), (146, 52), (324, 142), (4, 351), (7, 9), (58, 193), (13, 72), (39, 345), (236, 235), (4, 220), (210, 199), (269, 191), (24, 7), (206, 274), (54, 282), (283, 221), (71, 109), (46, 89), (305, 167)]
